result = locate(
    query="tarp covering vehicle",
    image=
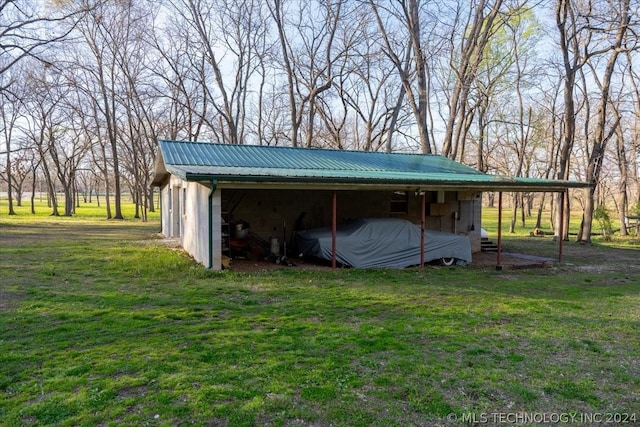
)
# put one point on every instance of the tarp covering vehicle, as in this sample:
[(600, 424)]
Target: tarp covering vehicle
[(383, 242)]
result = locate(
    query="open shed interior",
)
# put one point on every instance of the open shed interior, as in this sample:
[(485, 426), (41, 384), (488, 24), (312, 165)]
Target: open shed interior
[(274, 215)]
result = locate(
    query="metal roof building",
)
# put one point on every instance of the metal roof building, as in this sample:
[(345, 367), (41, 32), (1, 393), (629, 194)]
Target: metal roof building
[(198, 161), (206, 185)]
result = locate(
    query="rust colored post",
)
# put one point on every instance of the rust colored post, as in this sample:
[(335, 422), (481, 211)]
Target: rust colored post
[(422, 223), (561, 227), (499, 260), (334, 219)]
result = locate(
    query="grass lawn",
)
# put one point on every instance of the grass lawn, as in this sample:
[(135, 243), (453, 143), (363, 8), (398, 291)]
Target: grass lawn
[(102, 324)]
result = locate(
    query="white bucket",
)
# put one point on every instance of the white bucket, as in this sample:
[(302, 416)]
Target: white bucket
[(275, 246)]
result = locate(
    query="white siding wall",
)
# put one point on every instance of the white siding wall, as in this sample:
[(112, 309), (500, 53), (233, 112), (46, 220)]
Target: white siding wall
[(195, 219), (185, 215), (165, 211)]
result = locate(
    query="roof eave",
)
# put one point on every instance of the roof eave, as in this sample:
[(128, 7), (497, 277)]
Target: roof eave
[(160, 172), (511, 185)]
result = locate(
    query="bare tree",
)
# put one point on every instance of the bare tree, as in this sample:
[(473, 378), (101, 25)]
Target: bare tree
[(569, 42), (355, 112), (44, 124), (9, 113), (308, 55), (104, 31), (225, 35), (138, 123), (278, 13), (367, 86), (179, 83), (604, 129), (402, 39), (548, 120), (576, 31), (27, 28), (67, 148), (467, 52), (633, 142), (623, 165), (55, 132), (21, 170)]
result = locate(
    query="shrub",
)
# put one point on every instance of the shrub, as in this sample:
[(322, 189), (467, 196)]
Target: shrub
[(601, 214)]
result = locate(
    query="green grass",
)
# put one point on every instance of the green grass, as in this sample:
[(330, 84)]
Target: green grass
[(86, 211), (102, 324), (521, 233)]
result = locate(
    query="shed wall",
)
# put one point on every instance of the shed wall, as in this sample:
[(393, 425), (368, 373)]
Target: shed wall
[(195, 220), (165, 210), (185, 215)]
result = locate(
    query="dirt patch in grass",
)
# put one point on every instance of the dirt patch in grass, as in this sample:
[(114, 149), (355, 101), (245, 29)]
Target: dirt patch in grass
[(579, 256), (517, 253), (9, 300), (480, 260)]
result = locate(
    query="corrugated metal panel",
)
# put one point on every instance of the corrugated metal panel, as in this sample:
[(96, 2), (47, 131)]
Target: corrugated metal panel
[(287, 158), (237, 163)]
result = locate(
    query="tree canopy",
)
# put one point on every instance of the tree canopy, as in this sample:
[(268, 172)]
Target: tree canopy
[(528, 88)]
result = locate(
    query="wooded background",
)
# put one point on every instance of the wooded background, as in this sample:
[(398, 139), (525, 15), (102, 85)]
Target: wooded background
[(545, 88)]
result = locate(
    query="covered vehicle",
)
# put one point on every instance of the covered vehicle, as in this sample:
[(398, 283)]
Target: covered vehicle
[(383, 242)]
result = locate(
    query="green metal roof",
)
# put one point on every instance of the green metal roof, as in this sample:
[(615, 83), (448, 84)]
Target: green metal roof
[(199, 161)]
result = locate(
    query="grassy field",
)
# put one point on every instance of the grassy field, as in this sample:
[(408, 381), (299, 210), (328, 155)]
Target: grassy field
[(103, 324)]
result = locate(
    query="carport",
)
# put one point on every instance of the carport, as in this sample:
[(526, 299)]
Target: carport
[(274, 184)]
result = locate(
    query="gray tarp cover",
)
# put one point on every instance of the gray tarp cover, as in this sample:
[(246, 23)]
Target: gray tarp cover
[(382, 242)]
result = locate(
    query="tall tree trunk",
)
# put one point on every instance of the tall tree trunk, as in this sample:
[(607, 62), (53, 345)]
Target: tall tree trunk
[(571, 67), (116, 180), (419, 103), (601, 137), (68, 199), (10, 187), (623, 189), (52, 193), (275, 9), (540, 210), (9, 177), (396, 109), (421, 75), (470, 57), (150, 199), (33, 191), (514, 214)]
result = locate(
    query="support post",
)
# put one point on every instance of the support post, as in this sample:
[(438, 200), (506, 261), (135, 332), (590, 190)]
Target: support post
[(499, 256), (561, 227), (422, 224), (210, 230), (334, 219)]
